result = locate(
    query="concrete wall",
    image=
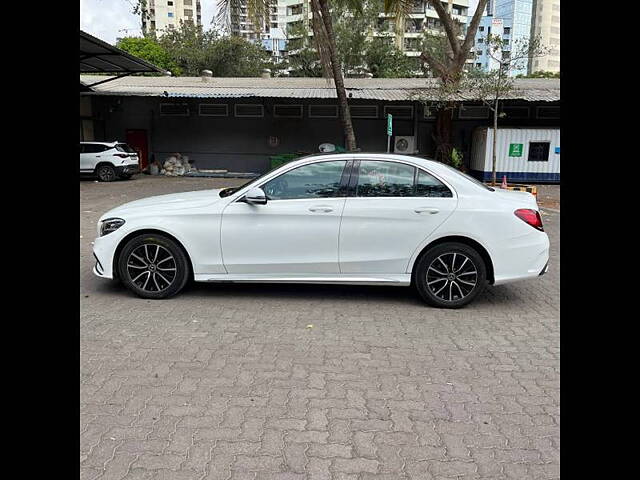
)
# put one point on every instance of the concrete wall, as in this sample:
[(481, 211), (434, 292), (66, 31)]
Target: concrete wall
[(242, 144)]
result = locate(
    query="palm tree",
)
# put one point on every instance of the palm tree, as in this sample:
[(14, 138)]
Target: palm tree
[(259, 12)]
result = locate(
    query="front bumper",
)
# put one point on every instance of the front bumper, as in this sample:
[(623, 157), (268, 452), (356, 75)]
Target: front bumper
[(544, 270)]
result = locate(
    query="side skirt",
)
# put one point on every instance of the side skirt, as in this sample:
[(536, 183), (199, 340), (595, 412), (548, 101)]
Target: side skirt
[(401, 280)]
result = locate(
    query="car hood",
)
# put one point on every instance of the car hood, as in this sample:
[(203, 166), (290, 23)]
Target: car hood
[(163, 203)]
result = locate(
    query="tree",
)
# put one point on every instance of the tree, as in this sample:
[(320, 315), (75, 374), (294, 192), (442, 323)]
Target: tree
[(496, 84), (150, 50), (194, 49), (385, 60), (445, 55), (259, 12)]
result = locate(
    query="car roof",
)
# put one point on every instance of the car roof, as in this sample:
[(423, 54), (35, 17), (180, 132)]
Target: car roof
[(115, 142)]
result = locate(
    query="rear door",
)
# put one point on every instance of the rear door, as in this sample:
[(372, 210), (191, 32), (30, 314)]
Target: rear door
[(392, 207), (90, 156)]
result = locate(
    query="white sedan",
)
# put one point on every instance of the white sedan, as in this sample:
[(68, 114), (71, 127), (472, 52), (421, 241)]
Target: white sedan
[(353, 218)]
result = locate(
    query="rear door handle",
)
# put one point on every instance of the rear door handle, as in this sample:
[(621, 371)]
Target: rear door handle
[(431, 210), (321, 208)]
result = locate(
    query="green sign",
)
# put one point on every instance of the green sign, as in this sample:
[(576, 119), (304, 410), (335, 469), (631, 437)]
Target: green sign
[(515, 149), (389, 124)]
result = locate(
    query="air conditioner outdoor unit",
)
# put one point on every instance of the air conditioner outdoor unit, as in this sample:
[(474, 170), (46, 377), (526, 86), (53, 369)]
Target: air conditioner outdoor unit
[(404, 144)]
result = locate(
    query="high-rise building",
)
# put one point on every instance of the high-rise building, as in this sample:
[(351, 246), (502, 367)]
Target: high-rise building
[(509, 19), (546, 24), (159, 16)]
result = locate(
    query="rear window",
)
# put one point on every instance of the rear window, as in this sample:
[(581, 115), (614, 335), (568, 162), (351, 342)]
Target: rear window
[(469, 177), (93, 148), (123, 147)]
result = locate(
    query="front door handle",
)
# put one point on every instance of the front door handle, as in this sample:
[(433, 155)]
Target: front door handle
[(426, 210), (321, 208)]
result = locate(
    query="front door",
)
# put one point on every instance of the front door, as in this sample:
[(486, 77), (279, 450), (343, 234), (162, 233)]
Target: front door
[(137, 139), (296, 232), (394, 207)]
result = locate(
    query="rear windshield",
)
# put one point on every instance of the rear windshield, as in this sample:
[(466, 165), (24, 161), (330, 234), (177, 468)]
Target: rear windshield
[(123, 147), (469, 177)]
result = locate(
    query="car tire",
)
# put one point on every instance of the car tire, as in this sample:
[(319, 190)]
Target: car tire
[(444, 275), (153, 266), (106, 173)]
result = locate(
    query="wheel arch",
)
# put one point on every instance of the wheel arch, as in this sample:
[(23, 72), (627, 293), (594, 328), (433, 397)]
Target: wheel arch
[(103, 162), (135, 233), (482, 251)]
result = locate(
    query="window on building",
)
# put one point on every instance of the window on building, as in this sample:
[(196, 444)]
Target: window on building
[(473, 111), (512, 112), (481, 28), (481, 40), (188, 13), (318, 180), (548, 112), (399, 111), (364, 111), (213, 110), (507, 30), (323, 111), (539, 151), (187, 3), (248, 110), (170, 4), (170, 14), (287, 111)]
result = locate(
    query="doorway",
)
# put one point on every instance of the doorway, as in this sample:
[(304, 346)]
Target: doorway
[(137, 139)]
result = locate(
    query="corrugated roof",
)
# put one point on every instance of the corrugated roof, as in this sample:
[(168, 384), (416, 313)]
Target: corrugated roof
[(98, 56), (388, 89)]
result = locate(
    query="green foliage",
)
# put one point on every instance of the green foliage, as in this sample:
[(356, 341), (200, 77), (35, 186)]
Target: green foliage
[(456, 158), (385, 60), (147, 48), (195, 49), (541, 74)]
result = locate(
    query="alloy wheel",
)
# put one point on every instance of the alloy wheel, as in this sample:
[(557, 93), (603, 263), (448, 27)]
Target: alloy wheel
[(106, 174), (152, 267), (452, 276)]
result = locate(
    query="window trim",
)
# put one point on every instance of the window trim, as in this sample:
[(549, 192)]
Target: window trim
[(323, 116), (235, 110), (366, 116), (275, 115), (406, 107), (557, 107), (464, 117), (548, 142), (200, 114)]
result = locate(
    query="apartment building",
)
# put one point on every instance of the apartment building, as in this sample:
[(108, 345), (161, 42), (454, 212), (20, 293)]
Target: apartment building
[(162, 15), (546, 24)]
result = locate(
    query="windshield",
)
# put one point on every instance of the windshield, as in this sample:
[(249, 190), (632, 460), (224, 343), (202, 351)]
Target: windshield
[(123, 147), (470, 178)]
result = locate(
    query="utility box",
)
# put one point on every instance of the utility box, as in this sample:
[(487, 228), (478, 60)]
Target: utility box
[(522, 154)]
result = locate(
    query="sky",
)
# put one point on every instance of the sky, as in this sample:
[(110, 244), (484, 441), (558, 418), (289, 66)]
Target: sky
[(109, 19)]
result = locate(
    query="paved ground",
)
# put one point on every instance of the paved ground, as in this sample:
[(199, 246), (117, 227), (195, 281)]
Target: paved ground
[(233, 382)]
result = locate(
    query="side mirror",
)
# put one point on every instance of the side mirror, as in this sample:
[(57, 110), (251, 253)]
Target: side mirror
[(256, 196)]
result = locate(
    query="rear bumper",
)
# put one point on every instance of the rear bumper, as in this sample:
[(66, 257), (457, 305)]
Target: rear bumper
[(127, 169)]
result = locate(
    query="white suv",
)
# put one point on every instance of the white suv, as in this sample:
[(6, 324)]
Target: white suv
[(108, 160)]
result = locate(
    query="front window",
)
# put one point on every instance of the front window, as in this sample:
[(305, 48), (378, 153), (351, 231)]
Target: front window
[(316, 180)]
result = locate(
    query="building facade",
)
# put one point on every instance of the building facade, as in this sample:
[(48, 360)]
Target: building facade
[(162, 15), (546, 24), (509, 19)]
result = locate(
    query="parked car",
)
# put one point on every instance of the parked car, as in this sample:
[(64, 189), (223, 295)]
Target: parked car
[(338, 218), (108, 160)]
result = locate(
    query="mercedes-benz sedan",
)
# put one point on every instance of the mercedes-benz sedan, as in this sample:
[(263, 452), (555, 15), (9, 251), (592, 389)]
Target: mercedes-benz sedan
[(340, 218)]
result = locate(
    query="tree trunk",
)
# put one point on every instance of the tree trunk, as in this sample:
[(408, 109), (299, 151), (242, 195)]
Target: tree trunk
[(345, 113), (442, 136), (495, 141)]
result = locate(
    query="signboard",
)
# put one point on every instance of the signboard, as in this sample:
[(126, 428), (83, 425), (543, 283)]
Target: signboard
[(389, 124), (515, 149)]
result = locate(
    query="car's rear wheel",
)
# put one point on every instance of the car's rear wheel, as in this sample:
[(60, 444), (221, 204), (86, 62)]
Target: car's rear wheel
[(153, 266), (106, 173), (450, 275)]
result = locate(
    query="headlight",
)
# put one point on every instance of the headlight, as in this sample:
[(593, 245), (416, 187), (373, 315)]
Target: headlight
[(109, 225)]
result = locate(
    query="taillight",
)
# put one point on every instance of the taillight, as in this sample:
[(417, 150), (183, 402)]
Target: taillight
[(121, 155), (532, 217)]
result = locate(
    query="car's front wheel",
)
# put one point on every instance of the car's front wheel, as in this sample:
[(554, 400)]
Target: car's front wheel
[(450, 275), (153, 266)]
